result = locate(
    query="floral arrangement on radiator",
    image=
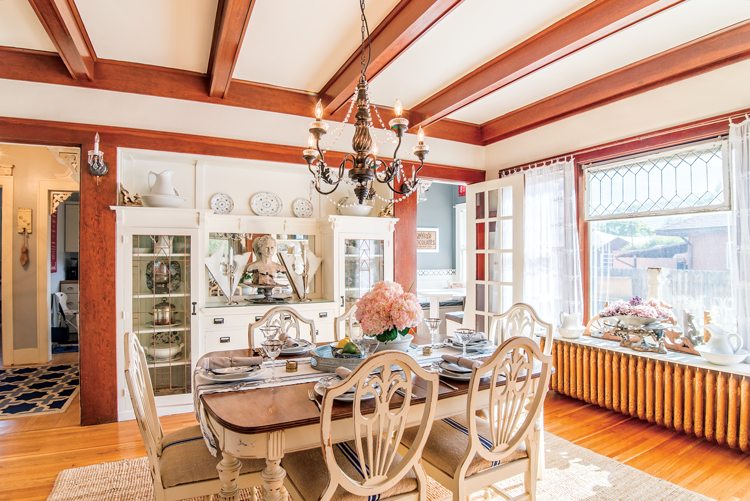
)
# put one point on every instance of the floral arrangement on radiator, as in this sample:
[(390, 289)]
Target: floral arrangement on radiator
[(636, 308), (387, 312)]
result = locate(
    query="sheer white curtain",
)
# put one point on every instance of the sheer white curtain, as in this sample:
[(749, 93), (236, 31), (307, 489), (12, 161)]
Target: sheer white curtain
[(552, 262), (739, 148)]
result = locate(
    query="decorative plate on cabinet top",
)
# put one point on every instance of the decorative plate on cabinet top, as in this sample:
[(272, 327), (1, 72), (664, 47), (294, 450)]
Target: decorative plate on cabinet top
[(266, 204), (222, 203), (302, 207), (339, 204)]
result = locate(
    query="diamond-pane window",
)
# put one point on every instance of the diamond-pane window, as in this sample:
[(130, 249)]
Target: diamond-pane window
[(693, 178)]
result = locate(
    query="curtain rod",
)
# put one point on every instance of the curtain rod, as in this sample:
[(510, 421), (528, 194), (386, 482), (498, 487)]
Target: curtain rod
[(552, 161)]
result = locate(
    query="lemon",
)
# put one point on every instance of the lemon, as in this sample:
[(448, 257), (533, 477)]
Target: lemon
[(343, 342)]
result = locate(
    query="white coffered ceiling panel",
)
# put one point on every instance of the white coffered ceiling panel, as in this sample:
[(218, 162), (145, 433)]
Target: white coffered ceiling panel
[(474, 33), (704, 96), (171, 33), (300, 44), (676, 26), (19, 27)]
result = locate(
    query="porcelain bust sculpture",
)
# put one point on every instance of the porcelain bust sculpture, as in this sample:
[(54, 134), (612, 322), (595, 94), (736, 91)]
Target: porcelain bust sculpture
[(263, 268)]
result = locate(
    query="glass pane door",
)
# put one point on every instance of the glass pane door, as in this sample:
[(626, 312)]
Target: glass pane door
[(161, 309), (494, 249), (364, 266)]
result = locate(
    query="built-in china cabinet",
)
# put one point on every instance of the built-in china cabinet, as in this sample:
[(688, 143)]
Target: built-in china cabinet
[(165, 292)]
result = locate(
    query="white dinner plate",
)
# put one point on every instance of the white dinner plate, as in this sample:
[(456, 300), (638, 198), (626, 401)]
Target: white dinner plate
[(444, 370), (237, 376), (456, 345), (150, 323), (304, 345), (333, 379), (302, 207), (266, 204), (222, 203)]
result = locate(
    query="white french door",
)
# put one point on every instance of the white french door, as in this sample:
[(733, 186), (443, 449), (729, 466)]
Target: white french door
[(494, 224)]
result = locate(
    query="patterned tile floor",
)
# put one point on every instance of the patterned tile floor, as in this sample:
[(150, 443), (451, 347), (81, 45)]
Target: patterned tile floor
[(26, 391)]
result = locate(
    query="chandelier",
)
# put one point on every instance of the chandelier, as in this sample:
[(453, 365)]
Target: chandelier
[(366, 167)]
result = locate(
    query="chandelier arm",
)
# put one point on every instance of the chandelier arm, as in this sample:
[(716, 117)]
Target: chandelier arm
[(398, 146)]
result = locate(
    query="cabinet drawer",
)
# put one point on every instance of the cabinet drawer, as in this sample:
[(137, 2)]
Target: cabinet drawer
[(69, 288), (228, 339), (72, 301)]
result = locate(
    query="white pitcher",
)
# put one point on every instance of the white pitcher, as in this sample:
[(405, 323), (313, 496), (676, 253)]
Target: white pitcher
[(570, 320), (162, 244), (722, 341), (163, 183)]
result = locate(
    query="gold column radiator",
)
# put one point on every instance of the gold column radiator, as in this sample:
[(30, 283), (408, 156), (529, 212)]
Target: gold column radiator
[(700, 402)]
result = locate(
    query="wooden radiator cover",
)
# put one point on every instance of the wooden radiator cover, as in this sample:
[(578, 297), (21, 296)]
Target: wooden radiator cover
[(690, 397)]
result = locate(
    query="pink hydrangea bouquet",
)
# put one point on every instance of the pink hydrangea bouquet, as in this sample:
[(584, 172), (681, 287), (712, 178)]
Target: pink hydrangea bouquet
[(387, 311), (636, 308)]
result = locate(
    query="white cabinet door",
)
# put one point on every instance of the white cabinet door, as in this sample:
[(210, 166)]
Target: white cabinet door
[(494, 224)]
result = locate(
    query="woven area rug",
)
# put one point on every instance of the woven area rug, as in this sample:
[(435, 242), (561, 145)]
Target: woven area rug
[(42, 389), (573, 473)]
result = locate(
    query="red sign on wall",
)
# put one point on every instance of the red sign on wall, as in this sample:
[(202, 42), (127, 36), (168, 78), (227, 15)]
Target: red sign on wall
[(461, 190), (53, 243)]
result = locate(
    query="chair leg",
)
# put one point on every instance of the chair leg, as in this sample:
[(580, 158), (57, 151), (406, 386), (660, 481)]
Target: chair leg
[(540, 426)]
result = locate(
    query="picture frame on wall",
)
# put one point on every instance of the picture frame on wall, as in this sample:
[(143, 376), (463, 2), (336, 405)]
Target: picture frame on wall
[(428, 239)]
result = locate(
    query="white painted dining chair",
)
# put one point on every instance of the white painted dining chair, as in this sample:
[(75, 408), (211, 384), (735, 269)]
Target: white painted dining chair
[(181, 466), (370, 465), (466, 453), (287, 320), (65, 311), (347, 319), (522, 319)]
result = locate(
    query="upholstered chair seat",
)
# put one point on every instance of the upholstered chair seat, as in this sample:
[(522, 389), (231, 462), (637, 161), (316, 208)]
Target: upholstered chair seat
[(308, 471), (449, 440), (185, 459)]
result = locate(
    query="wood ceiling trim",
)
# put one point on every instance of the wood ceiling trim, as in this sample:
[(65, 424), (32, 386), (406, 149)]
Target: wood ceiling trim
[(409, 20), (232, 18), (594, 22), (722, 48), (63, 24), (69, 134), (136, 78)]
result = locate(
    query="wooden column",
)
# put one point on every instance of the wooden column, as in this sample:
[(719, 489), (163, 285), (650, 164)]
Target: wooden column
[(98, 317), (405, 245)]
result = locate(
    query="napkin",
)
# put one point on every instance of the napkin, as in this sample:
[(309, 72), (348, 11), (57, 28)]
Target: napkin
[(343, 372), (211, 363), (290, 342), (476, 338), (462, 362)]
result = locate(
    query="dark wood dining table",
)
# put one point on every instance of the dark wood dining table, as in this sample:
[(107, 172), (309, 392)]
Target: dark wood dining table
[(269, 422)]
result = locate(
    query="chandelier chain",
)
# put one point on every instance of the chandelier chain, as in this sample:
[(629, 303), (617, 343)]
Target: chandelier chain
[(365, 62)]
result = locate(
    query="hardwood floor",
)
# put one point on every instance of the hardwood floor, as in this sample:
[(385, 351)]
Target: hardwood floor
[(32, 458), (713, 470)]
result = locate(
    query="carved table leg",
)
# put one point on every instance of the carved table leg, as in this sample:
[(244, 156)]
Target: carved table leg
[(229, 470), (273, 476)]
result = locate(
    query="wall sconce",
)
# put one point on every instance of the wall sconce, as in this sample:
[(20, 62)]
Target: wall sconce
[(97, 165)]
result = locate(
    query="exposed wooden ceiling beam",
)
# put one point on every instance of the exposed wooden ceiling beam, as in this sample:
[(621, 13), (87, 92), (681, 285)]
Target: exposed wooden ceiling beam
[(70, 134), (134, 78), (232, 17), (719, 49), (63, 24), (593, 22), (403, 26)]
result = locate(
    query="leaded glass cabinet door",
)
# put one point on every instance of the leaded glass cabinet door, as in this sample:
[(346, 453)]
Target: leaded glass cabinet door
[(494, 222), (364, 266), (161, 298)]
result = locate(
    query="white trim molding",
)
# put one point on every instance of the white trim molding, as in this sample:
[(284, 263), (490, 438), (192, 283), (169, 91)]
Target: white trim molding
[(43, 292), (6, 183)]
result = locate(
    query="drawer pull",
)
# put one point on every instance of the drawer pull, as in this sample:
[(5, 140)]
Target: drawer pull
[(218, 321), (342, 301), (194, 303), (224, 339), (323, 314), (257, 318), (287, 316)]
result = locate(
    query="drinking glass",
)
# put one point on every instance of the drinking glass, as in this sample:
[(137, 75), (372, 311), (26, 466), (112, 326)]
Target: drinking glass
[(270, 331), (272, 347), (464, 335), (432, 324), (366, 345)]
